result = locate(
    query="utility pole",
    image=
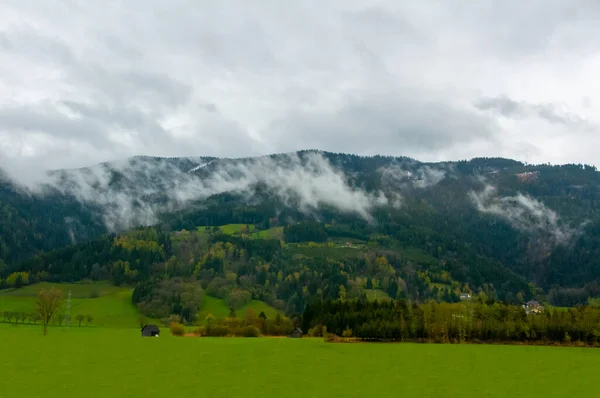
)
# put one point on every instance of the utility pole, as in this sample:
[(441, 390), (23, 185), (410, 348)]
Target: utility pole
[(68, 309)]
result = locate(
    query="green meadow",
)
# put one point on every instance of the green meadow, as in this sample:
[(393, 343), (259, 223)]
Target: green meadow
[(108, 362), (248, 229), (110, 306), (218, 308), (110, 359)]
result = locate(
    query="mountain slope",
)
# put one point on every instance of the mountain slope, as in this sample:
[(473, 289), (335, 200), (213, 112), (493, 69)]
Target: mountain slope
[(486, 220)]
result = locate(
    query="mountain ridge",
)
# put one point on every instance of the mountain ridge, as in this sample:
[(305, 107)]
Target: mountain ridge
[(538, 222)]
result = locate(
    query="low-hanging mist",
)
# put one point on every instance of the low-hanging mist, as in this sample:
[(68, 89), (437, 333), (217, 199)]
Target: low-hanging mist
[(523, 212), (135, 191)]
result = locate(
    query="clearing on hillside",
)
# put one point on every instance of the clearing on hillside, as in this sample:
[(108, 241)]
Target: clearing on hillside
[(111, 306)]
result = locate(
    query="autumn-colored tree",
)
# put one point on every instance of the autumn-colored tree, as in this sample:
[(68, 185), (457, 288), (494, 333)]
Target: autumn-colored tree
[(48, 302), (177, 329), (342, 293), (251, 318)]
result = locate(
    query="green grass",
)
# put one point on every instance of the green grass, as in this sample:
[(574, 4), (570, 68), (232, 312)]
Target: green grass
[(112, 308), (80, 289), (219, 309), (232, 229), (376, 294), (336, 253), (271, 233), (419, 256), (236, 229), (115, 363)]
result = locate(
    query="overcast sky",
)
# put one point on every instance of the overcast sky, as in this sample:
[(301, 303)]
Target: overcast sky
[(88, 81)]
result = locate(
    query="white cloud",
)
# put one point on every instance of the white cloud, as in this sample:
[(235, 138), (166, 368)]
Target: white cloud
[(135, 191), (84, 82), (523, 212)]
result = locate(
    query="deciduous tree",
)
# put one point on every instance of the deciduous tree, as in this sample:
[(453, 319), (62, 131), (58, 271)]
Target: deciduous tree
[(49, 302)]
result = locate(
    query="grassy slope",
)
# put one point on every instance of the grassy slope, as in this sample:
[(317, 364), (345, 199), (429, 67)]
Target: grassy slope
[(235, 229), (112, 307), (376, 294), (118, 363), (219, 309)]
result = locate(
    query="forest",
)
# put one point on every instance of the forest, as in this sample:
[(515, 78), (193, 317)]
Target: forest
[(477, 322), (240, 246)]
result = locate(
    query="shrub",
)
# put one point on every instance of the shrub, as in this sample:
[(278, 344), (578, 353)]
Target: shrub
[(251, 331), (332, 338), (347, 332), (200, 331), (94, 293), (217, 331), (317, 331), (177, 329), (174, 318)]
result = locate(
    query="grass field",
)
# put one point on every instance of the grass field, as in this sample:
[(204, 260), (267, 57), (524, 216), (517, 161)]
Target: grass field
[(112, 307), (219, 309), (376, 294), (236, 229), (104, 362)]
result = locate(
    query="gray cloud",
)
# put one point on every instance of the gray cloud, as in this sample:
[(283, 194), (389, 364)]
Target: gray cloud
[(405, 121), (522, 110), (83, 82)]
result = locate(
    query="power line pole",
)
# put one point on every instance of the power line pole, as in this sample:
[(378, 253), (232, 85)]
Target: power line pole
[(68, 309)]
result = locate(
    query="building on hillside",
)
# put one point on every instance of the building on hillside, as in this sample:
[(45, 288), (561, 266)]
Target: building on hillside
[(528, 176), (296, 333), (465, 296), (533, 307), (150, 331)]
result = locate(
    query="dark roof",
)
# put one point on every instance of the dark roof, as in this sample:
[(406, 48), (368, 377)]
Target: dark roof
[(151, 328), (297, 330)]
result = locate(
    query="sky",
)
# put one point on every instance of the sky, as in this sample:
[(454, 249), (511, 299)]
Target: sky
[(83, 82)]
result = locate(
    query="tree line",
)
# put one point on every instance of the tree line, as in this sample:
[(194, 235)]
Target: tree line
[(34, 317), (251, 325), (453, 323)]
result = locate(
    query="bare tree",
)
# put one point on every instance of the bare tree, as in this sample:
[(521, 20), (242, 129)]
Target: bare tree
[(23, 316), (60, 318), (80, 318), (35, 317), (48, 302)]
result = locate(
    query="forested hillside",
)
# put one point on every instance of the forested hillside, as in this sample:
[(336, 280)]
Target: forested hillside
[(290, 228)]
